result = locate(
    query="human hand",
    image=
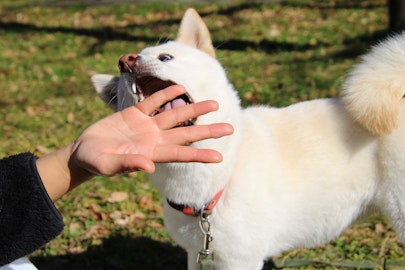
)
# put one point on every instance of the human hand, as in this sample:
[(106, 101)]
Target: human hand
[(131, 140)]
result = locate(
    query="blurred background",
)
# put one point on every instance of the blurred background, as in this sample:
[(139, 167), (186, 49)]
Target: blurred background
[(275, 53)]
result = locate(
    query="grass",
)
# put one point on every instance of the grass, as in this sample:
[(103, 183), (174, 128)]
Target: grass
[(274, 53)]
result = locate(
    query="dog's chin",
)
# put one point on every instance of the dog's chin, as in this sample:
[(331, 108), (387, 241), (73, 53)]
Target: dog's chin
[(145, 86)]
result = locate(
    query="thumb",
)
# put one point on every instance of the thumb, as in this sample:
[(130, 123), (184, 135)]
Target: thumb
[(127, 163)]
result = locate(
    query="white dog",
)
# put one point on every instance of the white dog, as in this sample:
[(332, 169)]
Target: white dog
[(291, 177)]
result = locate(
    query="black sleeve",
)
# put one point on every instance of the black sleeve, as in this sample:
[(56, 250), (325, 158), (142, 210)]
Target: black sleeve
[(28, 218)]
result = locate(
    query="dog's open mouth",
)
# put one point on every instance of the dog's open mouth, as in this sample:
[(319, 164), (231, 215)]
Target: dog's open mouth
[(145, 86)]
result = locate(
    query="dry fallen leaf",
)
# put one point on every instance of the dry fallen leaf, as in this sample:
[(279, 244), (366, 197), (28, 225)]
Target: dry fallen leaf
[(96, 230), (120, 218), (70, 117), (74, 226), (145, 201), (30, 111), (117, 196), (96, 210), (380, 228), (154, 224)]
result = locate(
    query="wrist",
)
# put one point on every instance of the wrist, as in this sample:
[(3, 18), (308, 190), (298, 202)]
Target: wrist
[(77, 171), (60, 172), (54, 172)]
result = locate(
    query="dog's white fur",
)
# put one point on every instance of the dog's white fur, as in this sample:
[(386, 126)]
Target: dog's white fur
[(293, 177)]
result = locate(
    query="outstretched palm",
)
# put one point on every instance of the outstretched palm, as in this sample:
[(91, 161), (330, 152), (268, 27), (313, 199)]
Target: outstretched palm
[(132, 140)]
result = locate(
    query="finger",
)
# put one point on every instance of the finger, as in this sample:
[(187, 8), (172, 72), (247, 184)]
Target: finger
[(116, 164), (176, 153), (188, 135), (157, 99), (138, 163), (171, 118)]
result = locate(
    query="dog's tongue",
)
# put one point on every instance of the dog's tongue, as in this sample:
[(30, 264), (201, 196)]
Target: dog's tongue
[(176, 103)]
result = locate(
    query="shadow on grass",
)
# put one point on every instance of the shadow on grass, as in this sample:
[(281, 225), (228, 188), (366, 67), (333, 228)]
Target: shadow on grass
[(119, 252), (355, 46), (122, 253)]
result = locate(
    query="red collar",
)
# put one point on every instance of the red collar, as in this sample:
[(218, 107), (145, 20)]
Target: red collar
[(190, 211)]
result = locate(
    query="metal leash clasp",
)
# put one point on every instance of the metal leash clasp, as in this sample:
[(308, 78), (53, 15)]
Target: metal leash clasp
[(205, 256)]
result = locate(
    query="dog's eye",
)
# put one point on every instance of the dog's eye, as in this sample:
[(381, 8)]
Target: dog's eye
[(165, 57)]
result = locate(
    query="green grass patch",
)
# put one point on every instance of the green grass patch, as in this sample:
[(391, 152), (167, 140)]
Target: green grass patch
[(275, 54)]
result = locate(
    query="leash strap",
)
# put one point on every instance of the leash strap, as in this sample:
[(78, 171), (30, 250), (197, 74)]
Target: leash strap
[(206, 263), (205, 256)]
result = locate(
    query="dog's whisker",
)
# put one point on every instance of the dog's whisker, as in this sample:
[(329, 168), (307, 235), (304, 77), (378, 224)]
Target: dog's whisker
[(123, 102), (112, 100)]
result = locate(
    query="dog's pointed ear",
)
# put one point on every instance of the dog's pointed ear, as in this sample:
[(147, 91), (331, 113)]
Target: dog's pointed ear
[(106, 88), (194, 32)]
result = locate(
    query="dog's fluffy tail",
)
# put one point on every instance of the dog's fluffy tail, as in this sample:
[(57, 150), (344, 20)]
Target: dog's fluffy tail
[(374, 88)]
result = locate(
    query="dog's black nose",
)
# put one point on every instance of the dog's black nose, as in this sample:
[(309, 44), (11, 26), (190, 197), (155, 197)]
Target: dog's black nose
[(127, 62)]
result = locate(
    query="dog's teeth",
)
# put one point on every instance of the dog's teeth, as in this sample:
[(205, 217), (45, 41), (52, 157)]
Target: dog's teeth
[(134, 90), (167, 106)]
